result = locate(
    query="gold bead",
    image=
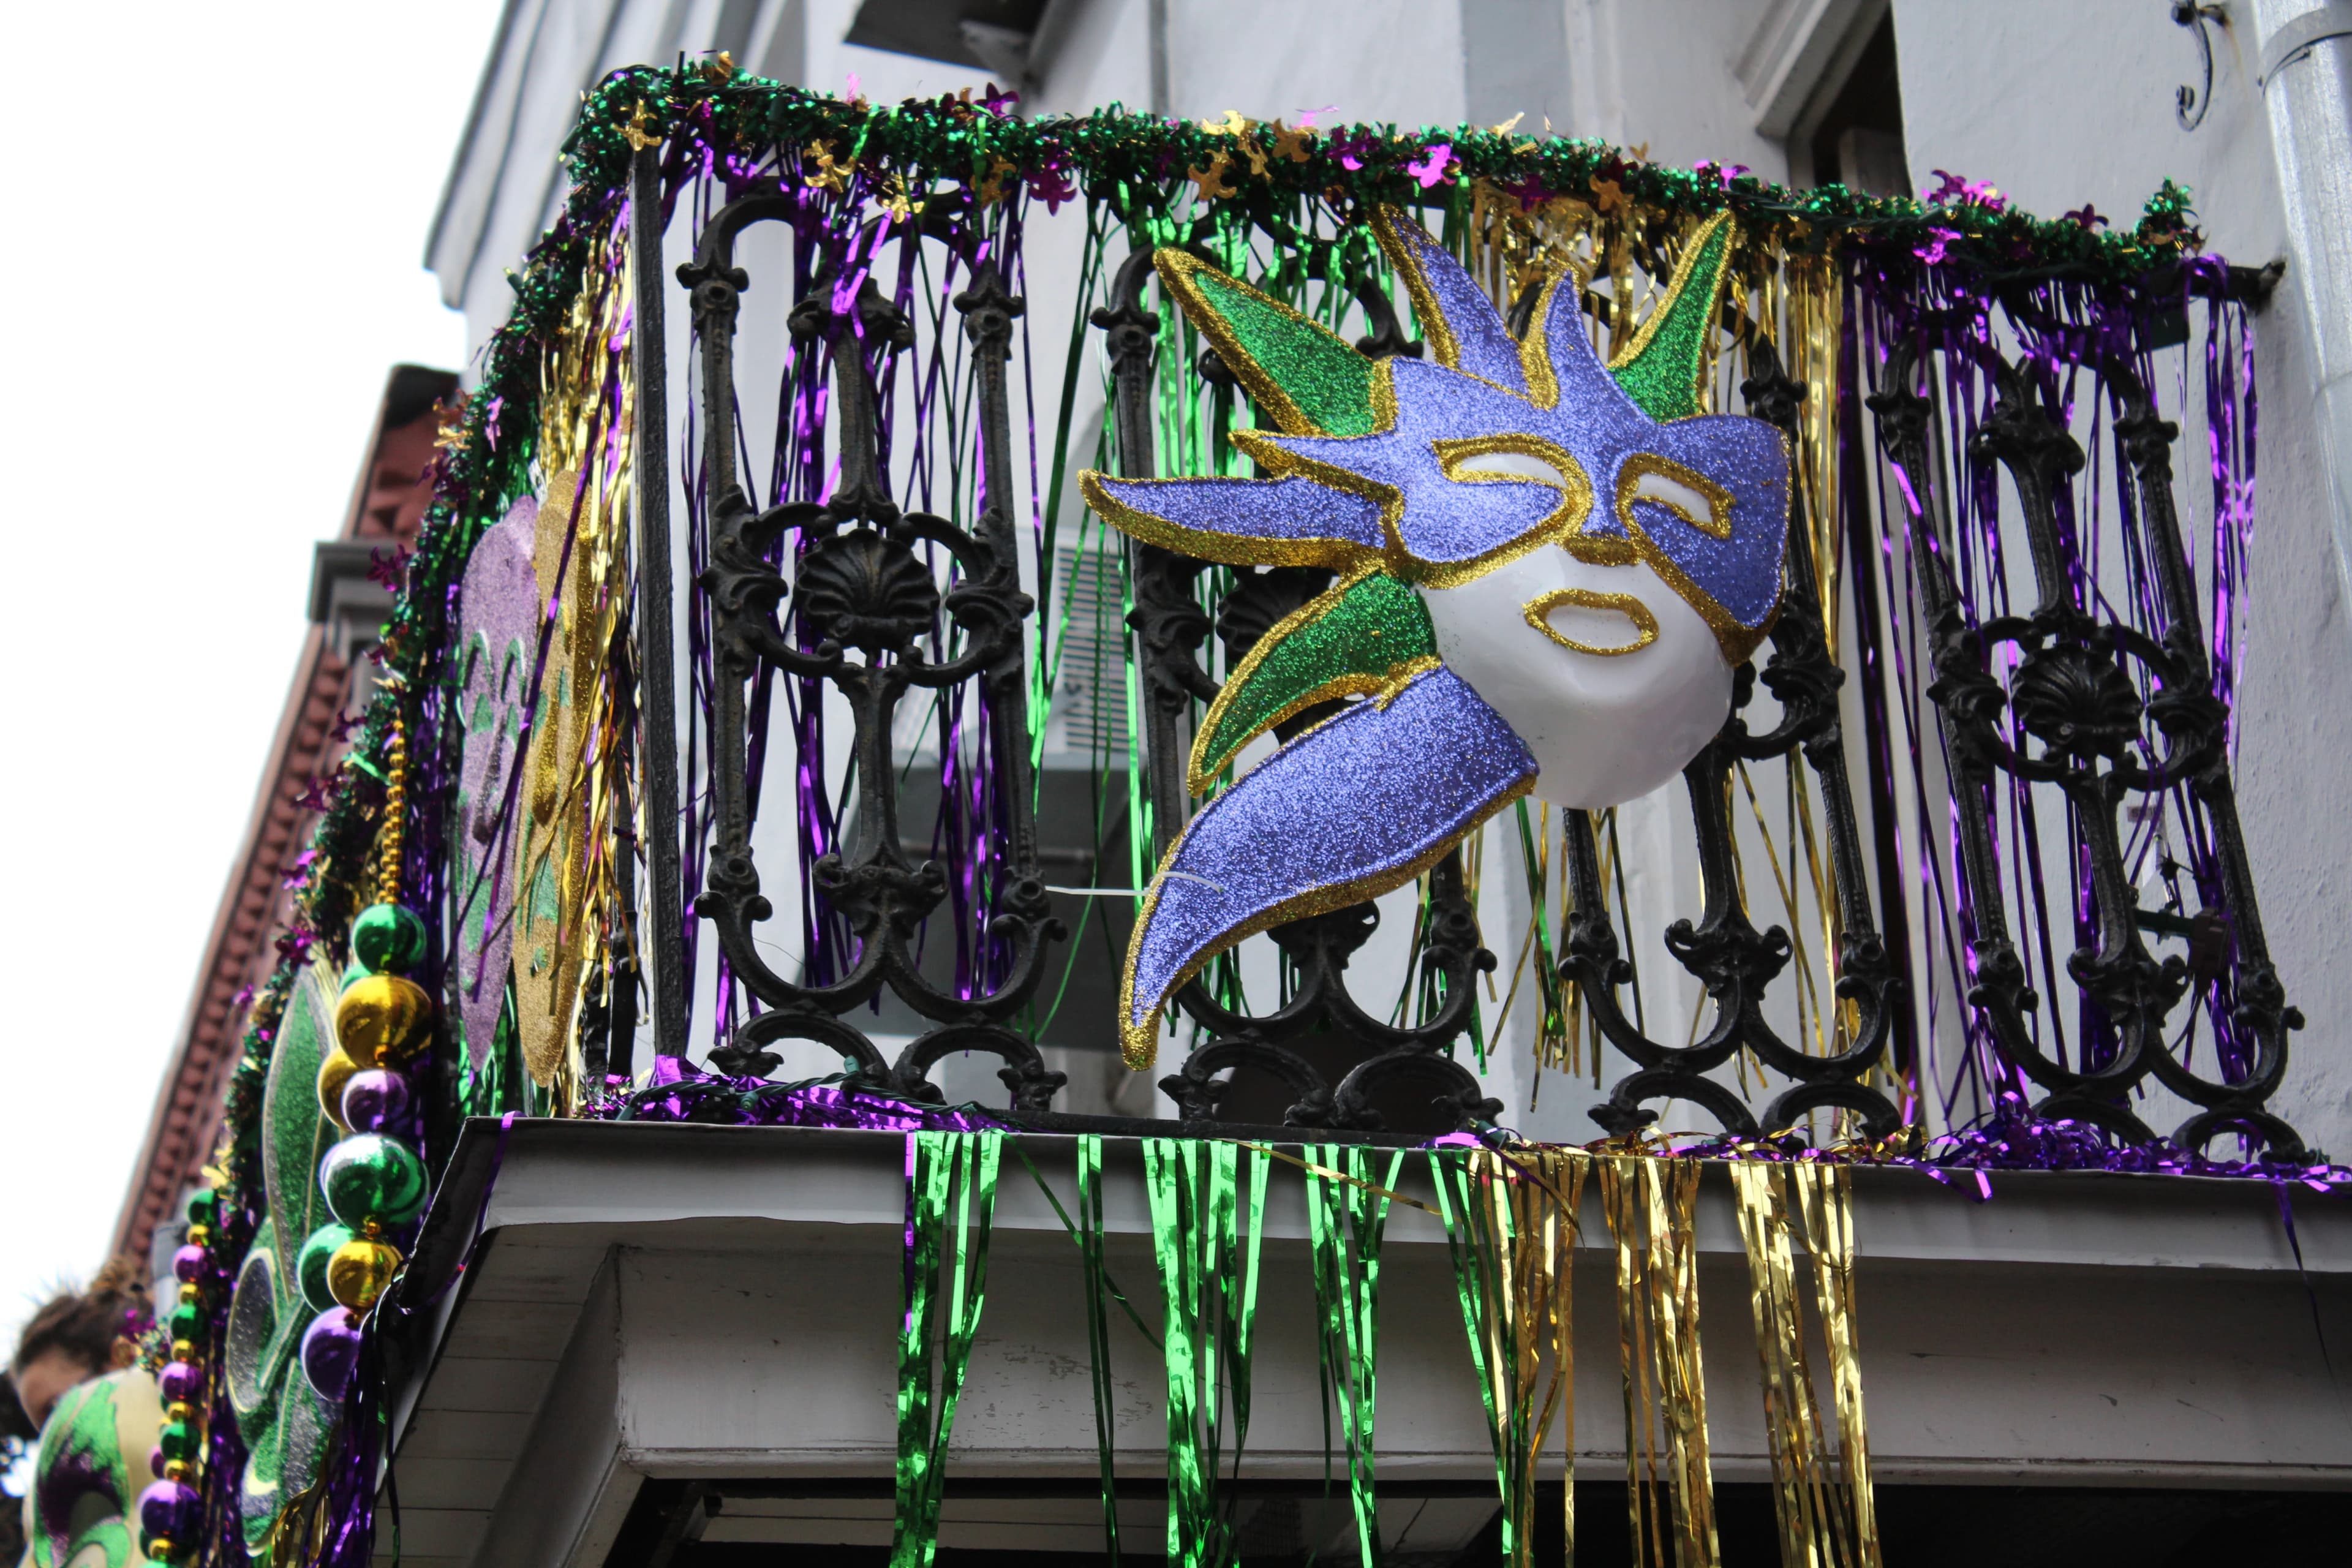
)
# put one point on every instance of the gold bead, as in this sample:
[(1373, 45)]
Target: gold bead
[(384, 1020), (159, 1550), (360, 1271), (190, 1295), (200, 1235), (179, 1469), (180, 1410), (183, 1350), (334, 1072)]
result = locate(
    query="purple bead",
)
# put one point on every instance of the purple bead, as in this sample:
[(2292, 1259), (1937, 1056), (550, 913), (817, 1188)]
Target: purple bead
[(188, 1264), (375, 1100), (156, 1461), (330, 1352), (181, 1383), (171, 1509)]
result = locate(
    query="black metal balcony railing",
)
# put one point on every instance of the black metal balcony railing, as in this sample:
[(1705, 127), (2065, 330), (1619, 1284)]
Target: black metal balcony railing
[(2071, 715), (862, 611)]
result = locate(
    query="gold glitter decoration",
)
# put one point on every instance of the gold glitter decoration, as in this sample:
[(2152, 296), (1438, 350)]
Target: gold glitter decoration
[(1824, 1509), (567, 892), (1645, 624)]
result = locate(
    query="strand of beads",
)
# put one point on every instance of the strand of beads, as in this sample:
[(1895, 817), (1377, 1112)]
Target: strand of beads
[(373, 1182), (171, 1511)]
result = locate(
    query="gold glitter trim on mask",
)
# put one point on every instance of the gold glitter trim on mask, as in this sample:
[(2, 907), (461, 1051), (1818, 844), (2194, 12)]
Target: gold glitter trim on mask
[(1534, 356), (1139, 1043), (1630, 473), (1736, 641), (1645, 624), (1224, 549), (1457, 458), (1436, 325)]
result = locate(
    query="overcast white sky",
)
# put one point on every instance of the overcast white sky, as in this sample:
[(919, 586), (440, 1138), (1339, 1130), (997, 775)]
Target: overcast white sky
[(215, 216)]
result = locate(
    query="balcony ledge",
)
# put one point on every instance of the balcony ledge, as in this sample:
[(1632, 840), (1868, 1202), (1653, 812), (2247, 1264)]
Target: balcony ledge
[(722, 1304)]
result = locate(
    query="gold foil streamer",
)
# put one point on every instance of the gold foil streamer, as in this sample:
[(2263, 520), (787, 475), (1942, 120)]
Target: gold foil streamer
[(564, 873), (1650, 1205), (1514, 1242), (1823, 1508)]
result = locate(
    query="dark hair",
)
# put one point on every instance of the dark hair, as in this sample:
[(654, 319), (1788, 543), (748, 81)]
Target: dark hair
[(86, 1323)]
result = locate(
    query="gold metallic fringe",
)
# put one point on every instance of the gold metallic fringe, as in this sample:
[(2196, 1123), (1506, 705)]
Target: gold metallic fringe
[(1823, 1508), (1525, 1219), (1651, 1206), (565, 879)]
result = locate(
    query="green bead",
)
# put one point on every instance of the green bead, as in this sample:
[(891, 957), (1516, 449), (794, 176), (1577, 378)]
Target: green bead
[(204, 1207), (310, 1264), (187, 1322), (179, 1440), (388, 939), (371, 1177)]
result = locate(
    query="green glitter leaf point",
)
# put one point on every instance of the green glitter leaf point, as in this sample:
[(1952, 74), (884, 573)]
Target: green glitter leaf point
[(1663, 376), (1351, 640), (1330, 383)]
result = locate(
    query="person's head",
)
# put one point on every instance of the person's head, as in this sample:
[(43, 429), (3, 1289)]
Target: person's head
[(77, 1335)]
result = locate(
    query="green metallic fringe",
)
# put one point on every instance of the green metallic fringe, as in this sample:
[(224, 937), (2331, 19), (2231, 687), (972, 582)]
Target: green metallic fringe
[(943, 1313)]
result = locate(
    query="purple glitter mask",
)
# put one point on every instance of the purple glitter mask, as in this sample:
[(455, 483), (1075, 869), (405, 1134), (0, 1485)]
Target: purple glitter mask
[(1502, 487)]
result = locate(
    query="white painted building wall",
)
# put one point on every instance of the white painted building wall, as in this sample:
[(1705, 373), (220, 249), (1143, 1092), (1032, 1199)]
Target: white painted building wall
[(2056, 104)]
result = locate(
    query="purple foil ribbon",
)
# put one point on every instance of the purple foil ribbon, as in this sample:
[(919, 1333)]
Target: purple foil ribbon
[(681, 1094)]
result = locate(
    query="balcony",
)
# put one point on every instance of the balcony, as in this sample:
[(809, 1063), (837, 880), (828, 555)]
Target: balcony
[(678, 1344)]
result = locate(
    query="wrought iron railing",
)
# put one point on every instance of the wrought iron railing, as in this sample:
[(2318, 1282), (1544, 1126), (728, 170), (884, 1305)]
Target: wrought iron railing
[(863, 611), (2071, 714)]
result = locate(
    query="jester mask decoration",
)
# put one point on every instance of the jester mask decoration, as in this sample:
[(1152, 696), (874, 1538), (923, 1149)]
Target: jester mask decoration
[(1549, 568)]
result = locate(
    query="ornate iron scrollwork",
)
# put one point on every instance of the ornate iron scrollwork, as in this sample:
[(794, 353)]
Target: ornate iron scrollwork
[(2072, 716), (1339, 1063), (1733, 961), (864, 586)]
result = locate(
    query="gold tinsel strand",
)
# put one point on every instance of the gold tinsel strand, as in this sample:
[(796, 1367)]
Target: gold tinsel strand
[(1651, 1206), (567, 880)]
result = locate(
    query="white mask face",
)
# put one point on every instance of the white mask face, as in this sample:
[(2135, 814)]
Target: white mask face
[(1620, 687)]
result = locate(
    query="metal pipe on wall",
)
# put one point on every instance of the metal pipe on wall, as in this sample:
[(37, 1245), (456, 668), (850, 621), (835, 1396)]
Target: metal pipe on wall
[(2306, 88)]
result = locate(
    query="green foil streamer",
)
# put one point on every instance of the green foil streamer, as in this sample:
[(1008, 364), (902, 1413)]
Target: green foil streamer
[(1089, 1236), (1345, 1220), (1205, 1231), (941, 1168)]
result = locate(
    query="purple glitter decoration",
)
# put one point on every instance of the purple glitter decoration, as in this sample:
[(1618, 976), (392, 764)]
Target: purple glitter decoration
[(1378, 788), (1483, 344)]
